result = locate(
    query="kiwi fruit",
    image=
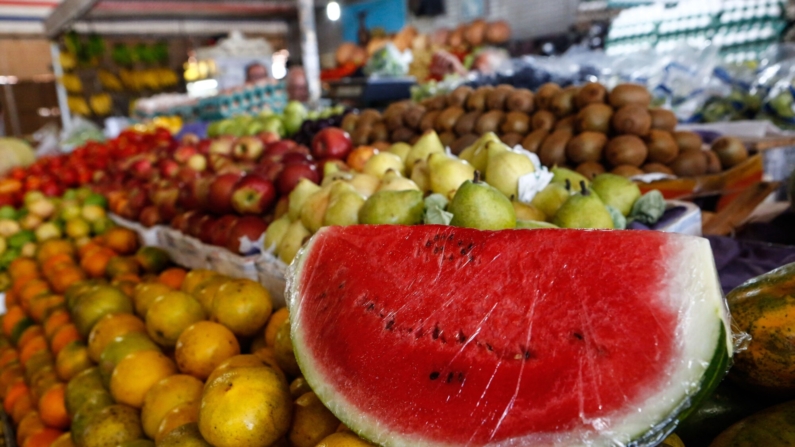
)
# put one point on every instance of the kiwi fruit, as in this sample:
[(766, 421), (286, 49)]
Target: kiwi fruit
[(361, 135), (438, 102), (458, 97), (626, 150), (349, 122), (658, 168), (662, 146), (544, 94), (586, 146), (369, 116), (447, 138), (590, 169), (477, 99), (689, 164), (428, 120), (402, 134), (466, 123), (569, 123), (413, 116), (730, 150), (626, 171), (562, 102), (495, 100), (594, 118), (516, 122), (393, 120), (543, 119), (590, 93), (512, 139), (625, 94), (713, 162), (489, 122), (662, 119), (520, 100), (446, 120), (553, 150), (688, 141), (532, 142), (379, 132), (463, 142), (632, 119)]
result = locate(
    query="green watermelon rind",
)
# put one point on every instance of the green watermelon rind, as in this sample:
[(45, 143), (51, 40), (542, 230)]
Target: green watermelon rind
[(709, 378)]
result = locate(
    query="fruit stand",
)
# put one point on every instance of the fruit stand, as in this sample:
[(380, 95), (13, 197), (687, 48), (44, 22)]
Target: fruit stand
[(488, 265)]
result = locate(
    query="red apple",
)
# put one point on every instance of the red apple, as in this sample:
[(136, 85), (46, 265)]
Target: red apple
[(189, 139), (222, 145), (204, 146), (194, 223), (270, 170), (180, 221), (268, 137), (250, 227), (183, 153), (292, 174), (280, 147), (220, 195), (221, 230), (150, 216), (331, 142), (168, 168), (299, 149), (186, 175), (291, 158), (206, 229), (253, 194), (200, 192), (248, 148)]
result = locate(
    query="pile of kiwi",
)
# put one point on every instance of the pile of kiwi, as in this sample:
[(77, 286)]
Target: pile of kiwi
[(586, 128)]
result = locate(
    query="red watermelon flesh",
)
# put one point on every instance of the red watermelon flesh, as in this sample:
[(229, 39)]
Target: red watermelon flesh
[(435, 335)]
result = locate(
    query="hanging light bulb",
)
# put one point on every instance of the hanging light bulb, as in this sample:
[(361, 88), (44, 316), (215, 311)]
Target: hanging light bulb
[(333, 11)]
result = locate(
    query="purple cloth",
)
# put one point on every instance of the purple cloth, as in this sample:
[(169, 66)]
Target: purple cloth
[(740, 260)]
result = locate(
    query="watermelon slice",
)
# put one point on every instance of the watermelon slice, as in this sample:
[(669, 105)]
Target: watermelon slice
[(442, 336)]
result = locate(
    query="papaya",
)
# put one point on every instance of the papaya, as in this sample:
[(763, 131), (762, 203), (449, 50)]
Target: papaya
[(764, 308), (725, 406), (772, 427)]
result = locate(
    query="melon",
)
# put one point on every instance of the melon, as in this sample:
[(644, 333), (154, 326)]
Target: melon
[(442, 336)]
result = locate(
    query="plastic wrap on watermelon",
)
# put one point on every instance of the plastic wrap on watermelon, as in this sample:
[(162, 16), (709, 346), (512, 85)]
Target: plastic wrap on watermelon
[(388, 62), (434, 335)]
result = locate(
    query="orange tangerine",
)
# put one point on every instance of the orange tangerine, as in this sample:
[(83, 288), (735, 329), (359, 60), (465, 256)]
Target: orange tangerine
[(53, 263), (28, 426), (120, 265), (13, 316), (194, 278), (121, 240), (23, 266), (274, 323), (136, 374), (87, 248), (72, 360), (108, 328), (145, 294), (28, 334), (14, 392), (242, 305), (11, 298), (44, 438), (54, 247), (203, 346), (67, 276), (31, 289), (166, 395), (54, 320), (126, 277), (8, 356), (52, 408), (22, 407), (178, 416), (172, 277), (62, 337), (94, 263), (42, 305), (36, 344)]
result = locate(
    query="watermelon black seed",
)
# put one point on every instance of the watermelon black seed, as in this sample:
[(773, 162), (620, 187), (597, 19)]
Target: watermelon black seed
[(436, 237), (461, 337), (434, 375), (450, 377), (437, 250), (528, 355), (489, 347), (450, 258), (428, 244), (451, 237), (578, 336), (436, 332), (341, 285), (390, 325), (460, 242), (460, 377), (463, 251)]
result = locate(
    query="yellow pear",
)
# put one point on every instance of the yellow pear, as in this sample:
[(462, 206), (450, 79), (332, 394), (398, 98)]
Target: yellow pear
[(446, 174), (428, 143), (393, 181), (504, 169)]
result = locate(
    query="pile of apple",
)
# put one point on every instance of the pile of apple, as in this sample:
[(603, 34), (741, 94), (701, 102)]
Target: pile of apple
[(218, 190), (52, 175)]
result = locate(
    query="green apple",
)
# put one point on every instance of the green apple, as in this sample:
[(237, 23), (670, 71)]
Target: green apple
[(47, 231), (8, 212), (292, 123), (274, 124), (3, 245), (96, 199), (101, 225), (32, 196), (93, 213), (21, 238), (77, 228), (296, 108), (69, 211)]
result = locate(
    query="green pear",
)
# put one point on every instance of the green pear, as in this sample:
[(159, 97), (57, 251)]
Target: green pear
[(291, 242), (343, 207), (446, 174), (401, 150), (420, 175), (527, 212), (534, 224), (365, 184), (393, 208), (378, 164), (560, 175), (477, 154), (336, 175), (298, 196), (549, 199), (393, 181), (428, 143), (583, 210), (314, 209), (504, 169), (616, 191), (275, 232), (479, 205)]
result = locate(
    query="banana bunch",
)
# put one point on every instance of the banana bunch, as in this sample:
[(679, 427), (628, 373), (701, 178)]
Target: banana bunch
[(109, 81), (78, 105), (101, 104), (72, 83), (68, 60), (168, 78), (130, 79)]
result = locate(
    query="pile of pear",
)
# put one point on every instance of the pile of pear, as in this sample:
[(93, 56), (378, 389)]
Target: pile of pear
[(587, 128), (479, 189)]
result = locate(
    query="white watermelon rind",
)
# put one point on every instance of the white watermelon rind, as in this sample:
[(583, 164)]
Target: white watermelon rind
[(704, 333)]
